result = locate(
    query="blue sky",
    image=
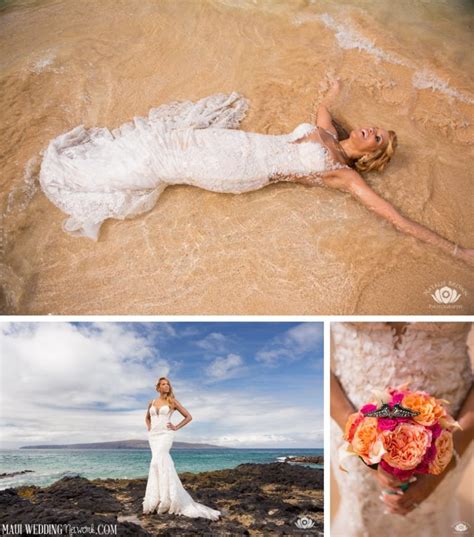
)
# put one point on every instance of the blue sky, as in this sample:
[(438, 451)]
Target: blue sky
[(245, 384)]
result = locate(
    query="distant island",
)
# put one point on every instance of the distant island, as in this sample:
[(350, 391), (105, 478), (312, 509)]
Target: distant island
[(124, 444)]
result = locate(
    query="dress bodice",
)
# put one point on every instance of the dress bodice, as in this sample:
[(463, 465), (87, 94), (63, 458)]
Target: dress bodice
[(160, 417), (432, 356)]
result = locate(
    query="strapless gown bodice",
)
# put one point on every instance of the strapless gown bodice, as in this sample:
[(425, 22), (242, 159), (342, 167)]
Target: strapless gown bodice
[(160, 419)]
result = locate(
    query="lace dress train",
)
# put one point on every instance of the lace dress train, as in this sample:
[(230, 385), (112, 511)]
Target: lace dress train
[(164, 491), (94, 174)]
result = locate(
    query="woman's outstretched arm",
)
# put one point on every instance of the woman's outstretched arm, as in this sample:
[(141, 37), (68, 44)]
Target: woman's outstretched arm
[(350, 181), (323, 116)]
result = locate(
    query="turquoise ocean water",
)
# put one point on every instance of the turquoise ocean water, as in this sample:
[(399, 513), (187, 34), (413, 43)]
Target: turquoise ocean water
[(49, 465)]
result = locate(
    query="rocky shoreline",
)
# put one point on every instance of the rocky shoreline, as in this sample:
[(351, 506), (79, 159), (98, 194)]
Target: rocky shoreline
[(313, 459), (254, 499)]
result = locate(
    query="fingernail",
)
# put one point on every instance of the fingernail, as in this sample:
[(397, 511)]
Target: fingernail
[(412, 479)]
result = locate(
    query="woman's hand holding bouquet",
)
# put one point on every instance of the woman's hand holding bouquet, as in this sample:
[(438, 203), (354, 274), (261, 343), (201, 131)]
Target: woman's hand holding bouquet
[(401, 435)]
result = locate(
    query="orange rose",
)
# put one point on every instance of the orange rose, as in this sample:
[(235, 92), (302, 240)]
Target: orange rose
[(349, 428), (365, 436), (406, 445), (428, 407), (444, 453)]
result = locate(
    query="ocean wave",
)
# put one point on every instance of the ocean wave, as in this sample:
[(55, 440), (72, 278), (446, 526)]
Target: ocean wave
[(348, 38), (425, 79)]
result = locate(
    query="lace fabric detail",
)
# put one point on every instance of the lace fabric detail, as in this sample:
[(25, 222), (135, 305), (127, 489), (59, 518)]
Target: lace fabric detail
[(367, 356), (164, 491), (95, 174)]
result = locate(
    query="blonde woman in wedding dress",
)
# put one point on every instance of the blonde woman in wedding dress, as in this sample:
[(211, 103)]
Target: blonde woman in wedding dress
[(164, 490), (94, 174), (434, 358)]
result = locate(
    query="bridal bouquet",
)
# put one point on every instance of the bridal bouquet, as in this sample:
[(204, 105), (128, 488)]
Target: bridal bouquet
[(406, 432)]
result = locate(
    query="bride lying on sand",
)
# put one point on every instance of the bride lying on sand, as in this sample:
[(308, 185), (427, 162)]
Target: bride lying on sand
[(95, 174)]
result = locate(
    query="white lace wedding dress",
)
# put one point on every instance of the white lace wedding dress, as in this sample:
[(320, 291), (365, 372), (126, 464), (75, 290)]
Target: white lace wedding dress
[(95, 174), (164, 490), (434, 356)]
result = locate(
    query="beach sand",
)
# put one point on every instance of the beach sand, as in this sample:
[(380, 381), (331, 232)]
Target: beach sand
[(286, 249)]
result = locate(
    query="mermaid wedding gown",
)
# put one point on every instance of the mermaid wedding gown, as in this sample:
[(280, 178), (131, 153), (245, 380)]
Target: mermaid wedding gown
[(95, 174), (164, 490), (435, 358)]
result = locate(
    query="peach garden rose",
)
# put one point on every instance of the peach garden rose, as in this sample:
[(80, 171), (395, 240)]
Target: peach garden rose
[(406, 445), (365, 436), (444, 453), (352, 421), (430, 410)]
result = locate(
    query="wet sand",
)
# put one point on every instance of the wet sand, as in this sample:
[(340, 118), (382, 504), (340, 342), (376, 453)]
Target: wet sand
[(286, 249)]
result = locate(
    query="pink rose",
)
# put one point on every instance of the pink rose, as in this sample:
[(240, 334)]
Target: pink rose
[(401, 475), (370, 407)]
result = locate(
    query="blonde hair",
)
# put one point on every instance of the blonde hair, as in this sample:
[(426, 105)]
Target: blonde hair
[(379, 158), (170, 396)]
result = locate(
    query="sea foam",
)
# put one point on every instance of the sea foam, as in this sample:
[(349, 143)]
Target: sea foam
[(425, 79), (348, 38)]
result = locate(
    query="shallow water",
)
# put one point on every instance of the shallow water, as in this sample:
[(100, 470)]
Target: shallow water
[(286, 249), (49, 465)]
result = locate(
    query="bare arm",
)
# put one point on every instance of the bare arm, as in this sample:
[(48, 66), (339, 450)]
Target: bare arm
[(350, 181), (148, 417), (464, 437), (323, 116), (341, 407), (183, 412)]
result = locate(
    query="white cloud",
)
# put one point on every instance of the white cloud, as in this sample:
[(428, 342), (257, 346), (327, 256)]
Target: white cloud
[(293, 344), (63, 384), (226, 368), (59, 364), (214, 342), (305, 336)]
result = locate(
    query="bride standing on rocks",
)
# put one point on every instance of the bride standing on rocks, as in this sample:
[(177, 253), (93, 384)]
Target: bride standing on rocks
[(164, 490), (95, 174)]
